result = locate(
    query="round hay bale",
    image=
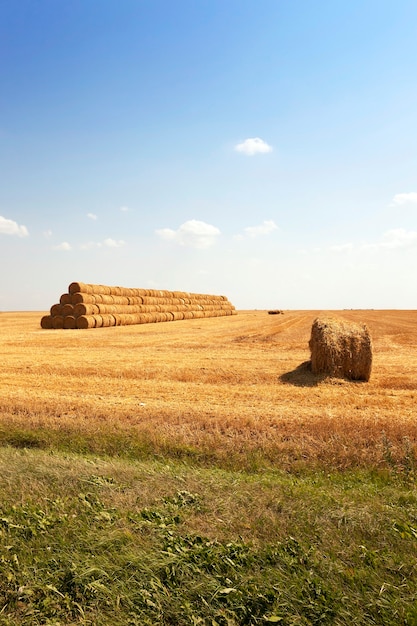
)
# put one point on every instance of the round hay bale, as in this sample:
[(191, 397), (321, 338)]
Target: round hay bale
[(70, 322), (55, 309), (65, 298), (86, 321), (79, 287), (58, 321), (46, 322), (80, 297), (107, 320), (85, 309), (67, 309), (341, 349)]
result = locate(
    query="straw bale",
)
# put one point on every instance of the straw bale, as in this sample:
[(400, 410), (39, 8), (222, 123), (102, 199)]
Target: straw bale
[(78, 287), (81, 297), (55, 309), (67, 309), (46, 322), (107, 320), (151, 300), (341, 348), (135, 300), (85, 309), (70, 321), (58, 321), (65, 298), (96, 305), (86, 321)]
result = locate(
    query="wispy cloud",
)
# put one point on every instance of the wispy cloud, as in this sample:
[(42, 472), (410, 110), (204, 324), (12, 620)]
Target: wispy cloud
[(395, 239), (10, 227), (112, 243), (253, 145), (92, 216), (107, 243), (344, 247), (124, 209), (404, 198), (193, 233), (47, 234), (63, 246), (267, 226)]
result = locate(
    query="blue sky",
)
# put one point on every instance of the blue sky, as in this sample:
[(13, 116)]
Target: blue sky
[(262, 150)]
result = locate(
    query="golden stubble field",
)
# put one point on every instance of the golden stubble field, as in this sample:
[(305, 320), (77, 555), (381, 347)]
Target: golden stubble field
[(219, 386)]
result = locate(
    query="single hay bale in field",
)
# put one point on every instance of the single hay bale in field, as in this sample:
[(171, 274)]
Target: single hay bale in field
[(341, 349)]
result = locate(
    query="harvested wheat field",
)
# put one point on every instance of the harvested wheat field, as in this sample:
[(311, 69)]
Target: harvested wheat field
[(232, 389)]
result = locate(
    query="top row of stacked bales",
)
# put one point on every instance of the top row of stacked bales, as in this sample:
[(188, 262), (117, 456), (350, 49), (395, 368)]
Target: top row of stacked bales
[(94, 306)]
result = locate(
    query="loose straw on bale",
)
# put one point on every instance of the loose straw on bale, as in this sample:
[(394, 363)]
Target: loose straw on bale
[(341, 349)]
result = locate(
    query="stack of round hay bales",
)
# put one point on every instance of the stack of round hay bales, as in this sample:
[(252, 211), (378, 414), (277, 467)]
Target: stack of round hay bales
[(341, 348), (97, 306)]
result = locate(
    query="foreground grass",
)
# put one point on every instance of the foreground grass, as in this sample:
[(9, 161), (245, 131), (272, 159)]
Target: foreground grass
[(107, 541)]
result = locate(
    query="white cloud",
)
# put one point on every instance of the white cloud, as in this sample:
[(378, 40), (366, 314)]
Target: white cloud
[(124, 209), (194, 234), (108, 243), (47, 234), (9, 227), (404, 198), (112, 243), (344, 247), (92, 216), (398, 238), (265, 228), (394, 239), (253, 145), (63, 246)]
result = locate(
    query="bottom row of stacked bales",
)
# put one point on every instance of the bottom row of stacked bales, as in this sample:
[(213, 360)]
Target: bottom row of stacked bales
[(96, 306)]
